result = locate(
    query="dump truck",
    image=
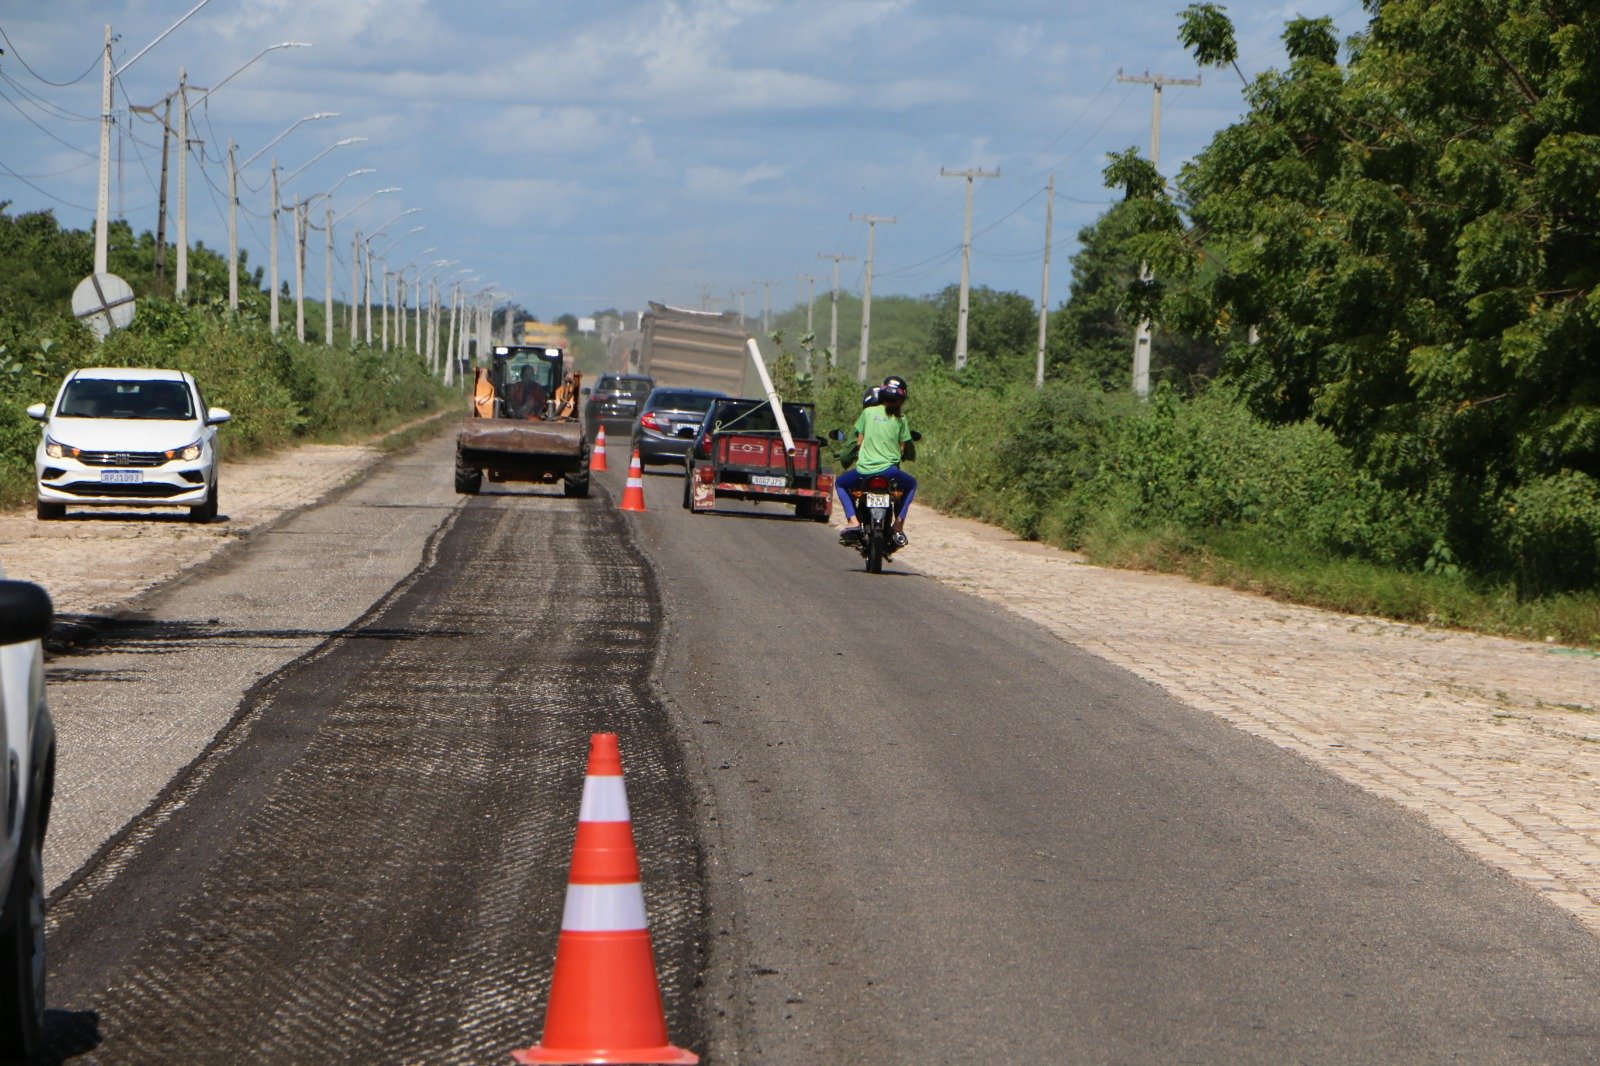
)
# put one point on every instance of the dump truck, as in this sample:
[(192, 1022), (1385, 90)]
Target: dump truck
[(525, 422), (690, 349)]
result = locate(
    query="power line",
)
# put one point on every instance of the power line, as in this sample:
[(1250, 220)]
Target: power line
[(1110, 80), (41, 129), (58, 84), (43, 191), (50, 107)]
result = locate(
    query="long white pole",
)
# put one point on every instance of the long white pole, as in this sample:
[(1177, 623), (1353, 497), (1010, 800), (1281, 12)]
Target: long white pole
[(352, 318), (773, 399), (300, 221)]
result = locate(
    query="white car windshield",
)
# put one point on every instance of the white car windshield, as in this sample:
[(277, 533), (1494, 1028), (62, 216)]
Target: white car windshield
[(116, 398)]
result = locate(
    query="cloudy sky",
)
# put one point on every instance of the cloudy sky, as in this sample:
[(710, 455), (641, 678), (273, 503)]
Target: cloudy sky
[(607, 152)]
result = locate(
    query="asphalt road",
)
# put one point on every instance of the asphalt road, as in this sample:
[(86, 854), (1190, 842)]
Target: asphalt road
[(879, 821)]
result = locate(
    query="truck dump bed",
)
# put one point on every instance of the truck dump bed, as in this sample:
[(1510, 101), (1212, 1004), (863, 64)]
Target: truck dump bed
[(693, 349)]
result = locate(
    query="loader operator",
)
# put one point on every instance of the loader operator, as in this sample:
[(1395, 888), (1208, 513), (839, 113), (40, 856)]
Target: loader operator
[(881, 436)]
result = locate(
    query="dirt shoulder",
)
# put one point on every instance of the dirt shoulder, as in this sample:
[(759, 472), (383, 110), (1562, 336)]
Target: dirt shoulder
[(1495, 742), (96, 559)]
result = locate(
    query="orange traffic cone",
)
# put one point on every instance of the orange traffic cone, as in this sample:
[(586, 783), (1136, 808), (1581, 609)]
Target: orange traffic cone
[(605, 1004), (597, 458), (633, 492)]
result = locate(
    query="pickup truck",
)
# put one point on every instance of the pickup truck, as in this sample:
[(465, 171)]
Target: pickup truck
[(739, 454)]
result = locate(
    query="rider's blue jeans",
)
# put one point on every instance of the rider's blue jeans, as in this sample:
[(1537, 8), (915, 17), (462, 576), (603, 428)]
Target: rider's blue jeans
[(850, 478)]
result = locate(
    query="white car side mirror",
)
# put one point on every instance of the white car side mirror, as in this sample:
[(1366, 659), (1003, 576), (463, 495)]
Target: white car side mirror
[(215, 416), (38, 412)]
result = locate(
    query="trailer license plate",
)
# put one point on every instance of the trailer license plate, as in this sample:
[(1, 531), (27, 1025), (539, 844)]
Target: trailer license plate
[(877, 499), (767, 481), (121, 477)]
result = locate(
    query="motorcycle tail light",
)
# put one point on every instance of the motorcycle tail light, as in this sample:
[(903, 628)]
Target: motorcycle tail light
[(877, 484)]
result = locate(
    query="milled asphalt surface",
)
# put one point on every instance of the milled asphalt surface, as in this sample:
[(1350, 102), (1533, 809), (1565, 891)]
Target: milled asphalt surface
[(944, 835), (370, 865), (880, 821), (138, 696)]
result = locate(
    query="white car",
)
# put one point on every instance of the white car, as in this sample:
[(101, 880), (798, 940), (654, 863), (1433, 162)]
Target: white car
[(128, 438), (28, 748)]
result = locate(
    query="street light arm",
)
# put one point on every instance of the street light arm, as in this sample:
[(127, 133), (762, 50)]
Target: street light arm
[(165, 33), (294, 126), (364, 203), (241, 70), (319, 155)]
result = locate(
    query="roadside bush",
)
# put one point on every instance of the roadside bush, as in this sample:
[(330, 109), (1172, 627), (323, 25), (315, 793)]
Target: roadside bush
[(1551, 531)]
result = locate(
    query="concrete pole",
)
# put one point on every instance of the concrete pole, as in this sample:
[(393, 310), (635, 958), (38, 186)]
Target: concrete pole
[(327, 276), (352, 319), (833, 329), (274, 243), (450, 346), (300, 221), (400, 309), (161, 193), (966, 256), (183, 184), (366, 285), (233, 229), (866, 298), (1044, 291), (417, 291), (103, 200), (383, 306)]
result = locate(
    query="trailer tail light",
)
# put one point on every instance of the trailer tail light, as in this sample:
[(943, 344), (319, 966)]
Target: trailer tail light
[(651, 422), (704, 474), (705, 447), (825, 483), (877, 483)]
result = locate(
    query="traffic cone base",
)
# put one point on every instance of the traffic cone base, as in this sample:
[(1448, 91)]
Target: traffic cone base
[(633, 492), (597, 458)]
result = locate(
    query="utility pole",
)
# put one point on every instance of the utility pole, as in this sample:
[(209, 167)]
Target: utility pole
[(327, 277), (833, 330), (274, 244), (811, 297), (103, 201), (161, 195), (300, 221), (766, 306), (866, 296), (1044, 290), (355, 287), (182, 286), (1142, 337), (966, 255), (233, 230)]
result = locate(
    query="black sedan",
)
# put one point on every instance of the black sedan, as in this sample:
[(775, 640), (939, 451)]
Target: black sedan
[(617, 397)]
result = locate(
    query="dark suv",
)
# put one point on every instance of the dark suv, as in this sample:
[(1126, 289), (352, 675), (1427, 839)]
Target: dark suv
[(617, 397), (668, 422)]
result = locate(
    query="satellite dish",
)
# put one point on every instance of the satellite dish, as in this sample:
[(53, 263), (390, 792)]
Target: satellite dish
[(103, 302)]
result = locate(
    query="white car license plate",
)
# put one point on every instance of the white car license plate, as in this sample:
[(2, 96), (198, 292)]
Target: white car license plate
[(121, 477), (769, 481), (877, 499)]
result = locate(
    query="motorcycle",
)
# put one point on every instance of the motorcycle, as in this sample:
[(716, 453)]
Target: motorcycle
[(877, 500)]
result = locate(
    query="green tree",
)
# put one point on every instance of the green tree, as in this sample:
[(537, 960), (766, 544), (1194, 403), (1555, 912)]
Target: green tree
[(1415, 238)]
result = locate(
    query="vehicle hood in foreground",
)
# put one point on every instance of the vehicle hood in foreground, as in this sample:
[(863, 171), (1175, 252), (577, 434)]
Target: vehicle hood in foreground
[(124, 434)]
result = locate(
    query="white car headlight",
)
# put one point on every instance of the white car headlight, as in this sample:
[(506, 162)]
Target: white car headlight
[(56, 450), (187, 452)]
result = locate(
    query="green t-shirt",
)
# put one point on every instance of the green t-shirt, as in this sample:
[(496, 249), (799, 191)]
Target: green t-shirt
[(882, 436)]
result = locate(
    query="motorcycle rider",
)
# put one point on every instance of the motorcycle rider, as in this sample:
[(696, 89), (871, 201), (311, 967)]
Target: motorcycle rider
[(881, 436), (871, 397)]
